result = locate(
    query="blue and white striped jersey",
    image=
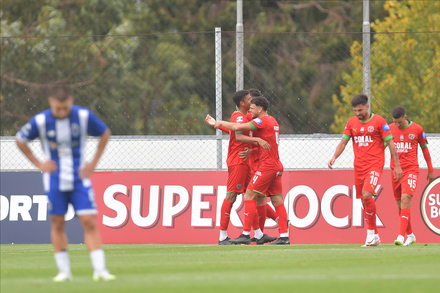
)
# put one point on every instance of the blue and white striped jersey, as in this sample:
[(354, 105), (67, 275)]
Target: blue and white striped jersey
[(63, 141)]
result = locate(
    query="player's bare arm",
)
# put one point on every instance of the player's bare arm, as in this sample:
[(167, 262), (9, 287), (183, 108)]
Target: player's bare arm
[(339, 149), (47, 166), (397, 169), (243, 127), (427, 156), (89, 168)]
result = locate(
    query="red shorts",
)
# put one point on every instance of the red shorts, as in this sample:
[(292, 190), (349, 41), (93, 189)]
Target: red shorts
[(267, 182), (238, 178), (367, 181), (406, 185)]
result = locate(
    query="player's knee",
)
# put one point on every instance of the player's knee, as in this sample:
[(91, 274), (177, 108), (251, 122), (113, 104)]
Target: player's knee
[(89, 223), (231, 197)]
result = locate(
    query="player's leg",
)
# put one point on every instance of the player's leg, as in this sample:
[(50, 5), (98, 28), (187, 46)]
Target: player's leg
[(270, 213), (57, 210), (370, 182), (408, 189), (397, 191), (250, 212), (237, 182), (83, 201), (225, 215), (276, 192), (261, 209)]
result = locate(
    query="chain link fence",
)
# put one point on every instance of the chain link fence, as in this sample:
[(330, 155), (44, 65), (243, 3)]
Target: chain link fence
[(154, 91)]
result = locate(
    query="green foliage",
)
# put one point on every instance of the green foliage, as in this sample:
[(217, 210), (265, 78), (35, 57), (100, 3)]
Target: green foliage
[(404, 66), (150, 80)]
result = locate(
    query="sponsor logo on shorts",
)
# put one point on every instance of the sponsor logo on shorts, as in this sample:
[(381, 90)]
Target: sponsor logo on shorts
[(411, 136), (430, 206), (370, 128)]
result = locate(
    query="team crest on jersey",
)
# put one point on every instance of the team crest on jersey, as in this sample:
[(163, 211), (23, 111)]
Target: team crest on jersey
[(370, 128), (239, 119), (402, 137), (257, 120), (386, 127), (362, 130), (51, 133), (75, 130), (53, 145), (239, 186), (411, 136)]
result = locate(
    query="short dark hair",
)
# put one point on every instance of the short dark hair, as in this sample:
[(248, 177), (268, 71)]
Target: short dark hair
[(261, 102), (61, 93), (255, 93), (238, 96), (399, 112), (359, 99)]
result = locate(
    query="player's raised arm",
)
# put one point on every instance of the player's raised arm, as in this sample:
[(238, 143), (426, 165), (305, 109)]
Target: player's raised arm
[(397, 169), (339, 149)]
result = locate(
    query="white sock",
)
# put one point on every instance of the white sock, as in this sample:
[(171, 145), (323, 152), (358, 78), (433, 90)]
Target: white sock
[(284, 235), (258, 234), (63, 262), (223, 235), (98, 260), (246, 232), (370, 232), (411, 235)]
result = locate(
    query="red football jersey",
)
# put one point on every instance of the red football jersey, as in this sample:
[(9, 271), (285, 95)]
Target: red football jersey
[(254, 159), (368, 141), (406, 141), (267, 128), (234, 145)]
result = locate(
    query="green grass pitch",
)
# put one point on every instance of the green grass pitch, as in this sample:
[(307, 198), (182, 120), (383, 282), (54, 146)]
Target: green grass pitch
[(213, 268)]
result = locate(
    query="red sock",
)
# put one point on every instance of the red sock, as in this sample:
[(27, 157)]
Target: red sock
[(271, 214), (404, 221), (256, 221), (261, 216), (409, 229), (370, 213), (250, 210), (225, 215), (282, 218)]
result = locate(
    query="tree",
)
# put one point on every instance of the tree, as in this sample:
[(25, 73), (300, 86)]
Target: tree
[(405, 67)]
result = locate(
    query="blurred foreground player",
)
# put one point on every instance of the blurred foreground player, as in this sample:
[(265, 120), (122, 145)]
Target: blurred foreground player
[(369, 132), (408, 135), (63, 130), (267, 179)]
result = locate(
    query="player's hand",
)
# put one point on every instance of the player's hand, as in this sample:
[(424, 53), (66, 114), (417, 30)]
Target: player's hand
[(331, 162), (48, 166), (398, 173), (217, 124), (210, 120), (87, 171), (264, 144), (244, 154), (430, 177)]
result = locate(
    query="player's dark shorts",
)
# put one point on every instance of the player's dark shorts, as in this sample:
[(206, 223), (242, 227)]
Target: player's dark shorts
[(238, 178), (406, 185), (367, 181), (267, 182), (82, 199)]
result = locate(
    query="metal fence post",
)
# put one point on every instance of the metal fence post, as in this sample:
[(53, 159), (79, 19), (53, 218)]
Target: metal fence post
[(218, 92), (366, 51), (239, 84)]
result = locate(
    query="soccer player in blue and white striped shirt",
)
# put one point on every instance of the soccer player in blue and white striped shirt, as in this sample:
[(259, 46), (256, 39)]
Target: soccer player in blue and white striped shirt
[(63, 131)]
